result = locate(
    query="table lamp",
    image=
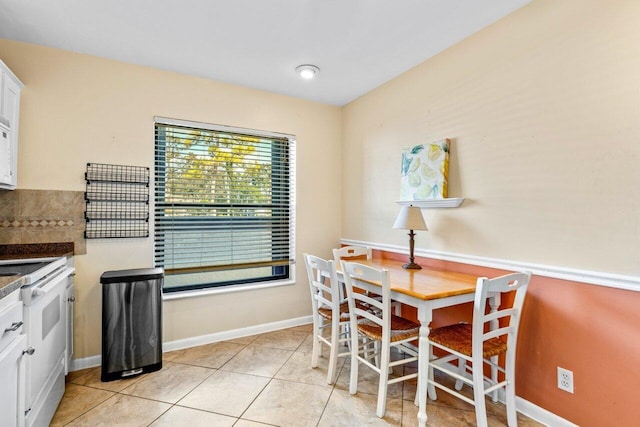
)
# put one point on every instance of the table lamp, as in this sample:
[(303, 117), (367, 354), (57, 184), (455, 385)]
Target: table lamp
[(410, 218)]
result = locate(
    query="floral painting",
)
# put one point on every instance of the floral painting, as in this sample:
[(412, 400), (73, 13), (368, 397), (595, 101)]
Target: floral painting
[(425, 169)]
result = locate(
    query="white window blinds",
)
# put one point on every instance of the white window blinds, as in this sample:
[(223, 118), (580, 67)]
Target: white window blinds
[(224, 205)]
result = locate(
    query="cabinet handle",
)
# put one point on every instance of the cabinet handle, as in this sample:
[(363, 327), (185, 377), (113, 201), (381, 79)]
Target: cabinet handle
[(72, 299), (29, 351), (14, 327)]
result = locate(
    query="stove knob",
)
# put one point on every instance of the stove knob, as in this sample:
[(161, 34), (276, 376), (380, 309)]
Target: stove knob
[(29, 351)]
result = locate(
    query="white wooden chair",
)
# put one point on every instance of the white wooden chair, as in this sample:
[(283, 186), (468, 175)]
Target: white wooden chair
[(352, 254), (329, 311), (464, 344), (378, 326)]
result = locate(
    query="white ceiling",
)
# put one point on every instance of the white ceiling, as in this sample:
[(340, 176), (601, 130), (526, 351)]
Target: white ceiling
[(358, 44)]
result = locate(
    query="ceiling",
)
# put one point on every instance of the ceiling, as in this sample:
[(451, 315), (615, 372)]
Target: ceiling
[(357, 44)]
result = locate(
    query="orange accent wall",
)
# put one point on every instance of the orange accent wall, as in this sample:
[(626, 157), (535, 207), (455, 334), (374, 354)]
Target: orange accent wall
[(591, 330)]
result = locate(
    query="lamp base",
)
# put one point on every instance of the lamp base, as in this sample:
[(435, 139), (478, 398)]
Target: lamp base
[(411, 266)]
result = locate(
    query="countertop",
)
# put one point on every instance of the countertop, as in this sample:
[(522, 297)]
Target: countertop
[(8, 284)]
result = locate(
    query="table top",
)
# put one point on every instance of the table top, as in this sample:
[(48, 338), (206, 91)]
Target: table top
[(424, 284)]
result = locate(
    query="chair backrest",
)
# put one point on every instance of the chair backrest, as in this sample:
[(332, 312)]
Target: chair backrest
[(504, 321), (323, 284), (351, 253), (360, 276)]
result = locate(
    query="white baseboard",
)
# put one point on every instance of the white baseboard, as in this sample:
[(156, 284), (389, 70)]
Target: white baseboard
[(611, 280), (541, 415), (93, 361)]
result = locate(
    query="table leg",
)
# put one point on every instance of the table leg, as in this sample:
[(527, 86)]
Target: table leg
[(424, 316)]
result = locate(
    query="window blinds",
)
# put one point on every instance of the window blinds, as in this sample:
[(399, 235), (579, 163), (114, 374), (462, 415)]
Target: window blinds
[(223, 201)]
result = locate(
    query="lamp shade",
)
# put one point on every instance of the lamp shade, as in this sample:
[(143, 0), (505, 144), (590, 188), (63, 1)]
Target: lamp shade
[(410, 218)]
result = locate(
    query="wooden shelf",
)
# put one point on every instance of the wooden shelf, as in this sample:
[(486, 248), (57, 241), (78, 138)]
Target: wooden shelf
[(451, 202)]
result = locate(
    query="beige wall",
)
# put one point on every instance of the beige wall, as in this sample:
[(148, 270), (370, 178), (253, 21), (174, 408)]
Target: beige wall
[(543, 111), (78, 109)]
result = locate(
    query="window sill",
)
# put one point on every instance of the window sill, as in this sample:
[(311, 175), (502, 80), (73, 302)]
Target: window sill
[(225, 289)]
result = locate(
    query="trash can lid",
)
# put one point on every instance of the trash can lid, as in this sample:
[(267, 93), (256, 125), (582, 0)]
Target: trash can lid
[(134, 275)]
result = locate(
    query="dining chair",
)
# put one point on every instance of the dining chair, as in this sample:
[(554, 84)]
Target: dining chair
[(353, 253), (328, 311), (491, 334), (376, 326)]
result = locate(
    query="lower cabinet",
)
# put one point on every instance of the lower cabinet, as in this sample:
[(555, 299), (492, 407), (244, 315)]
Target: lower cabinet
[(12, 383), (70, 300)]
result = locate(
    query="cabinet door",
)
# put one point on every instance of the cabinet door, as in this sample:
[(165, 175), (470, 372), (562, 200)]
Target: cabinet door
[(69, 324), (6, 157), (12, 385), (11, 110)]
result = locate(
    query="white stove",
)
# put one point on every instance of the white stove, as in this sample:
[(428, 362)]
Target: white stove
[(44, 298)]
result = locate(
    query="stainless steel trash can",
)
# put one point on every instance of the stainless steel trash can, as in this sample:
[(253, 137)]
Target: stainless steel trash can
[(131, 322)]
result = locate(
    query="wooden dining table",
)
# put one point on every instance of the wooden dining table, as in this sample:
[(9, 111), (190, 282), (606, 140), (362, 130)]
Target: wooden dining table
[(426, 289)]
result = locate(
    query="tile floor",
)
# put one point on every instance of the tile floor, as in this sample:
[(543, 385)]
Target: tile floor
[(250, 382)]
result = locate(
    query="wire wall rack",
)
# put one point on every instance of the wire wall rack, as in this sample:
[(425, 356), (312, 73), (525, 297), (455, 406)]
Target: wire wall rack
[(117, 201)]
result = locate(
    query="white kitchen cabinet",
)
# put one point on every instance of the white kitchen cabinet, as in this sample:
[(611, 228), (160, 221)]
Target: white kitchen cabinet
[(10, 88), (13, 346), (70, 300)]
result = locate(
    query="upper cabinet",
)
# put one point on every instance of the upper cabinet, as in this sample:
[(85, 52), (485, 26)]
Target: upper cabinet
[(10, 88)]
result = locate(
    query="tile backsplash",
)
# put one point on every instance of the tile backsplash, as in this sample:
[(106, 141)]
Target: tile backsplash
[(42, 216)]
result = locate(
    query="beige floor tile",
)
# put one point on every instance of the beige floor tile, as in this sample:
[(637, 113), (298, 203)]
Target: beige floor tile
[(247, 423), (210, 355), (179, 416), (307, 345), (77, 374), (228, 393), (308, 328), (92, 379), (285, 339), (438, 416), (76, 401), (258, 360), (169, 356), (298, 368), (344, 409), (285, 403), (121, 410), (243, 340), (170, 384), (367, 381)]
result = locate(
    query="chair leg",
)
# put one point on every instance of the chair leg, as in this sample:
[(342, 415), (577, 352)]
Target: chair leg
[(333, 354), (461, 371), (431, 389), (510, 401), (376, 353), (353, 380), (384, 380), (478, 394), (317, 345)]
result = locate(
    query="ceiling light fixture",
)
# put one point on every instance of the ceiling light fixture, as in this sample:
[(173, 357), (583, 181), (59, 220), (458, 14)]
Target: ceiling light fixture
[(307, 71)]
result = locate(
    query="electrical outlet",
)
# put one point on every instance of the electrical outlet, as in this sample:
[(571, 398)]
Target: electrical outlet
[(565, 379)]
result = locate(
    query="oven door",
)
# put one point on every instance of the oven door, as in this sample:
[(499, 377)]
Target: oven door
[(44, 317)]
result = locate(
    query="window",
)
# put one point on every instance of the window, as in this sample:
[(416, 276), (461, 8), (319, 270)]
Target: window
[(224, 205)]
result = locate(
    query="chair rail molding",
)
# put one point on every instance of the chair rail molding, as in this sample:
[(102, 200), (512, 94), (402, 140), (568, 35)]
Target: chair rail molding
[(611, 280)]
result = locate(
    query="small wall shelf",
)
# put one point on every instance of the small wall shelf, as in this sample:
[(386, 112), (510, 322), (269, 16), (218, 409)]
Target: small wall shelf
[(117, 201), (451, 202)]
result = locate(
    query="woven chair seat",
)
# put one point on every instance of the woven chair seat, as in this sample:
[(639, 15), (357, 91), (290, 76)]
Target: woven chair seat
[(325, 311), (458, 337), (401, 329)]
